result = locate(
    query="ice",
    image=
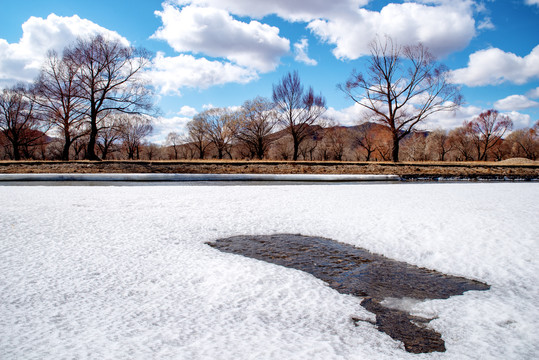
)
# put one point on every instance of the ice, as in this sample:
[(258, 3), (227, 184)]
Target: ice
[(106, 272)]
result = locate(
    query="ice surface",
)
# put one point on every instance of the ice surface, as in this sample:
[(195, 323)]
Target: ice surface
[(123, 272)]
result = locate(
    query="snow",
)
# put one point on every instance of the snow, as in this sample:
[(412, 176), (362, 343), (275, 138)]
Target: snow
[(108, 272)]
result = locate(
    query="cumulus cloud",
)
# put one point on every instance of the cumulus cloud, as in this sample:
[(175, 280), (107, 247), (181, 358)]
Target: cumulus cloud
[(443, 27), (216, 33), (296, 10), (349, 116), (162, 126), (494, 66), (21, 61), (171, 73), (515, 103), (187, 111), (532, 2), (300, 51)]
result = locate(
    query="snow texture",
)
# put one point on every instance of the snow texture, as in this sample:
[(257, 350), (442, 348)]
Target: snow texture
[(107, 272)]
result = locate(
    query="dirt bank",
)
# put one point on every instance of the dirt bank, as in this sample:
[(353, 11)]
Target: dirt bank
[(512, 169)]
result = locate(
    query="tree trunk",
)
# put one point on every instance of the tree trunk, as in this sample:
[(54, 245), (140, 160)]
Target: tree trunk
[(67, 146), (395, 151), (16, 152), (296, 150), (90, 153)]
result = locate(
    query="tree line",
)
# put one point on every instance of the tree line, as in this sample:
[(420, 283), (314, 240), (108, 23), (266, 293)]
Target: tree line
[(93, 102)]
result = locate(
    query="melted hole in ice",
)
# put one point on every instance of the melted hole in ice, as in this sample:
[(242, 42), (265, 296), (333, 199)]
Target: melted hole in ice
[(390, 288)]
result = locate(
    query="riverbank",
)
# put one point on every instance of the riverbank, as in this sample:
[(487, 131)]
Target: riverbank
[(512, 169)]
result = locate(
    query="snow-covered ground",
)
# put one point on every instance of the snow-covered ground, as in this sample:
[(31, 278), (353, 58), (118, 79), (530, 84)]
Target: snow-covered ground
[(124, 273)]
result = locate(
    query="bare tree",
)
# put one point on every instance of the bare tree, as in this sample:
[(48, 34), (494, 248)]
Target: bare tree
[(109, 79), (462, 142), (414, 147), (336, 138), (175, 141), (365, 138), (58, 97), (487, 130), (256, 123), (198, 135), (439, 144), (133, 129), (524, 143), (298, 109), (19, 120), (402, 87), (109, 134), (221, 125)]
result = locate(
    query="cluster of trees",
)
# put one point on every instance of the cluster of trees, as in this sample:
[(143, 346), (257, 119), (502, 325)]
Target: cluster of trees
[(252, 137), (94, 103), (87, 99)]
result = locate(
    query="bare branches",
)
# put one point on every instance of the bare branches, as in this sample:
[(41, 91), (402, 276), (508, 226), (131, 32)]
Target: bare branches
[(402, 87), (297, 109), (487, 130), (257, 121), (109, 79), (19, 121)]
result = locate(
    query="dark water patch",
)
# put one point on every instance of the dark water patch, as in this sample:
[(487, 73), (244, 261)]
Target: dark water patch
[(355, 271)]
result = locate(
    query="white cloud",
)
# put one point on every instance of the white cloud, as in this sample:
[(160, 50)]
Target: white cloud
[(349, 116), (170, 74), (486, 24), (292, 10), (21, 61), (300, 49), (163, 126), (446, 120), (216, 33), (494, 66), (443, 27), (515, 102), (532, 2), (187, 111), (534, 93)]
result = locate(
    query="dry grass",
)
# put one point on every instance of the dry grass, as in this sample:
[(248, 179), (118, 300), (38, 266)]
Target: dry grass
[(511, 168)]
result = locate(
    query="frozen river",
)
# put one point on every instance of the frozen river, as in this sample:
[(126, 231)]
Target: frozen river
[(109, 272)]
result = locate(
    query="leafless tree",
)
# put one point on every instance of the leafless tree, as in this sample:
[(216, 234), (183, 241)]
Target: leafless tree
[(133, 129), (487, 130), (57, 93), (414, 147), (462, 142), (19, 121), (257, 121), (402, 87), (297, 109), (308, 148), (524, 143), (365, 138), (175, 141), (109, 134), (198, 135), (439, 144), (221, 126), (109, 79), (336, 139)]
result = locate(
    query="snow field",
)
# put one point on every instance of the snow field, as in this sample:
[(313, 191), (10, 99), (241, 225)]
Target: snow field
[(124, 272)]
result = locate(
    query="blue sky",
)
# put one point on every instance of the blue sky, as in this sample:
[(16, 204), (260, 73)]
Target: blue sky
[(223, 52)]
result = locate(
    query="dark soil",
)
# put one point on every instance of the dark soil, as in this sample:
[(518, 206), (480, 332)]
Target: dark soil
[(355, 271)]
